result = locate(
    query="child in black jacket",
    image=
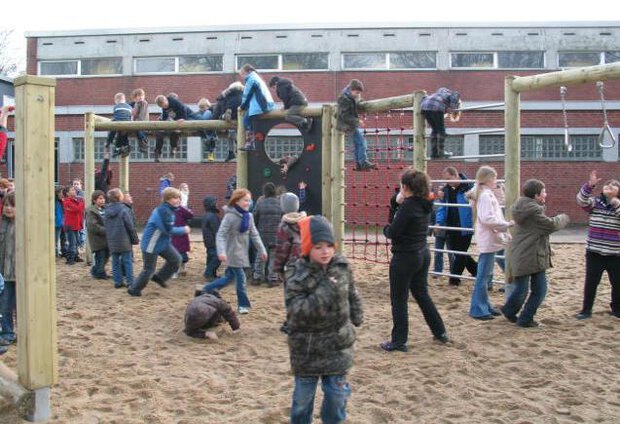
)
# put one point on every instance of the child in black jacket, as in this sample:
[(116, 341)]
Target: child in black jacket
[(210, 225)]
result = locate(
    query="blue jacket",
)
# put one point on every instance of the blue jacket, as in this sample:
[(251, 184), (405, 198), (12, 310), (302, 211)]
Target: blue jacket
[(465, 214), (159, 229), (256, 96), (59, 214)]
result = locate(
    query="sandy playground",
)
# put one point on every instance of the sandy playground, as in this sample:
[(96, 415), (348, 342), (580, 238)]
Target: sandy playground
[(126, 360)]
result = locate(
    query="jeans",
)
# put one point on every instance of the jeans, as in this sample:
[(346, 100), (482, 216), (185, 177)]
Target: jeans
[(173, 261), (8, 306), (213, 263), (72, 239), (122, 263), (336, 391), (440, 243), (538, 289), (359, 145), (101, 258), (264, 269), (458, 241), (409, 273), (596, 264), (231, 273), (480, 304)]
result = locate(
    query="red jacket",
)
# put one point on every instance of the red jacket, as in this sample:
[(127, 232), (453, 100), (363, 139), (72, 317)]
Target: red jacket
[(74, 213), (3, 141)]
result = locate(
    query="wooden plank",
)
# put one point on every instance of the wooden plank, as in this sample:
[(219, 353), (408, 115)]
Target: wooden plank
[(388, 103), (89, 170), (419, 140), (326, 162), (123, 171), (242, 155), (338, 184), (512, 161), (567, 77), (37, 360)]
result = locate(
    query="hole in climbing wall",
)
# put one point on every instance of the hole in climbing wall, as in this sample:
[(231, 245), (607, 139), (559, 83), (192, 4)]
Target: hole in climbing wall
[(284, 141)]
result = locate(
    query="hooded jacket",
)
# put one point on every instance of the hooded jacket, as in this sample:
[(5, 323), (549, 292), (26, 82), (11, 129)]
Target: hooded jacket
[(232, 243), (288, 242), (95, 228), (490, 222), (256, 96), (346, 114), (207, 311), (290, 94), (119, 228), (159, 228), (74, 213), (465, 214), (530, 251), (409, 227), (267, 216), (210, 221), (229, 99), (322, 306)]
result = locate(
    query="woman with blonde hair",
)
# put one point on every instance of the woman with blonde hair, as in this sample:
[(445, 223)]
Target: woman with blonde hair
[(491, 234)]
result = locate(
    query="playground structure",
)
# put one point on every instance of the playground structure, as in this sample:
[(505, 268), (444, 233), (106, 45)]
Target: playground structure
[(35, 261)]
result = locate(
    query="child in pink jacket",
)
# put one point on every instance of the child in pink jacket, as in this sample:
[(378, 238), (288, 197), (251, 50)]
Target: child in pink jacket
[(491, 235)]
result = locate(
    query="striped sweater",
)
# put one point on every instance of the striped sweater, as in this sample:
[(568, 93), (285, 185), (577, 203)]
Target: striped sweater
[(604, 226)]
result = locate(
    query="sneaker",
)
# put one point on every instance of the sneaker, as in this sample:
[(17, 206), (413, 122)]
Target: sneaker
[(210, 157), (442, 338), (133, 293), (78, 259), (174, 276), (485, 317), (388, 346), (511, 318), (454, 282), (495, 312), (161, 283), (244, 310), (231, 156), (529, 324), (583, 315), (365, 166)]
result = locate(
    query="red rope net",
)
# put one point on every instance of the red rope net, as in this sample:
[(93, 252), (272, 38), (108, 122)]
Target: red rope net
[(389, 136)]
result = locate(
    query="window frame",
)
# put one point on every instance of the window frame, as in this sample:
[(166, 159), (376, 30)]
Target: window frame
[(239, 64), (79, 67), (387, 62), (496, 60)]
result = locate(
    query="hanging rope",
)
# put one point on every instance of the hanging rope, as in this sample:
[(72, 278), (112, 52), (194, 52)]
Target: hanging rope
[(567, 140), (606, 128)]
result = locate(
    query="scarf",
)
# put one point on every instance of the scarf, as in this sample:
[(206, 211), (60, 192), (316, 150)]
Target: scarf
[(245, 219)]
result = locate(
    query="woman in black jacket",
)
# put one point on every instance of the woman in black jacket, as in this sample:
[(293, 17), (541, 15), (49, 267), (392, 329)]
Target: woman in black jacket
[(411, 258)]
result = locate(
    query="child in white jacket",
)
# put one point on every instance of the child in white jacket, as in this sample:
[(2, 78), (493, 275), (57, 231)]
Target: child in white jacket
[(491, 235)]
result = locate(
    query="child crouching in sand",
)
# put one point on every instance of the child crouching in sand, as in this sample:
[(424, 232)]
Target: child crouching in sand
[(205, 312)]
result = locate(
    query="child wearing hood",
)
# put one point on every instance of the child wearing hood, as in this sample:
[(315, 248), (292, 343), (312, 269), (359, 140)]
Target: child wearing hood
[(205, 312), (530, 253), (210, 224), (233, 243), (121, 235)]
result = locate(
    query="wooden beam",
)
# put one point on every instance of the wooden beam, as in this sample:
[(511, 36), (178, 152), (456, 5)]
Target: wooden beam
[(338, 184), (242, 155), (512, 144), (388, 103), (123, 171), (419, 139), (12, 391), (326, 162), (567, 77), (89, 170), (188, 126), (37, 360)]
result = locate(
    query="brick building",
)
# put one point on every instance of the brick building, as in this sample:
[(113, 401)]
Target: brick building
[(91, 66)]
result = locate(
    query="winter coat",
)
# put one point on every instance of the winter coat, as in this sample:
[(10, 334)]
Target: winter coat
[(207, 311), (256, 96), (140, 111), (490, 222), (288, 242), (7, 248), (103, 177), (530, 251), (74, 213), (182, 216), (119, 227), (164, 183), (441, 100), (290, 94), (346, 114), (159, 228), (95, 228), (229, 99), (267, 217), (59, 214), (176, 110), (3, 141), (604, 224), (210, 221), (322, 306), (465, 214), (232, 243), (409, 227)]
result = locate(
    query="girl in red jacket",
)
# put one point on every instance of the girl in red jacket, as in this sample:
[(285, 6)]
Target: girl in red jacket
[(73, 208)]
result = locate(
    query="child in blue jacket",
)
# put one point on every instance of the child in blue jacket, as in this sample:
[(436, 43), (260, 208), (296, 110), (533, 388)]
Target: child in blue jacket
[(156, 242)]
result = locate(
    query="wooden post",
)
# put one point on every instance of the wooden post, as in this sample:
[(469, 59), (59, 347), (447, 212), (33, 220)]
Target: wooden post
[(242, 155), (123, 171), (326, 162), (89, 170), (338, 175), (512, 144), (37, 360), (419, 139)]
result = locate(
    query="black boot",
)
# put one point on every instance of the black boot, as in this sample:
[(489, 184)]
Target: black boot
[(231, 156)]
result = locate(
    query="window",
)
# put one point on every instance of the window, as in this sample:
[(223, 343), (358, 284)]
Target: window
[(135, 156), (280, 146), (294, 62), (521, 60), (472, 60), (578, 59), (546, 147), (286, 61), (611, 57), (392, 60), (155, 65), (107, 66), (201, 63), (102, 66)]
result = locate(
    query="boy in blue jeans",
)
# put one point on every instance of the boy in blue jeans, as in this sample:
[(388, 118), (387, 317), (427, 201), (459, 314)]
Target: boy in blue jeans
[(322, 306), (156, 242), (530, 253)]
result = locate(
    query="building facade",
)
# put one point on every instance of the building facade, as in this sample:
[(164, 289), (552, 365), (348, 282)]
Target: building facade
[(391, 60)]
